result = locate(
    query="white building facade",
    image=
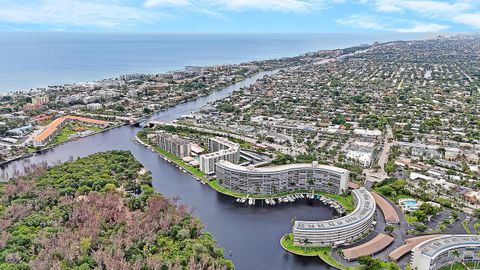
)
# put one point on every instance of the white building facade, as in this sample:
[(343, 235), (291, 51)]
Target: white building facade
[(438, 252), (221, 149), (283, 178), (344, 230)]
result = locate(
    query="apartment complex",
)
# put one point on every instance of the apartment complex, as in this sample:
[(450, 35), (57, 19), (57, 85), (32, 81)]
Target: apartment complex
[(220, 149), (173, 144), (283, 178), (438, 252), (40, 100), (52, 129), (344, 230)]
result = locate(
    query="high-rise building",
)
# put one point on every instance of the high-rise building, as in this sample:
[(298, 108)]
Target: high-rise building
[(173, 144), (220, 149)]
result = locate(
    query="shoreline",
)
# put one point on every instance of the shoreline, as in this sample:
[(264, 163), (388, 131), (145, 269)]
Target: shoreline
[(323, 253), (6, 162), (144, 118), (24, 90), (301, 52), (212, 183), (113, 77)]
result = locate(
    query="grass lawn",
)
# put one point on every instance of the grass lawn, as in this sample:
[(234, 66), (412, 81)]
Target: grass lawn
[(403, 196), (214, 184), (456, 266), (68, 130), (393, 199), (410, 218), (175, 159), (323, 252), (465, 227), (476, 226), (345, 201), (243, 144), (287, 244), (179, 162), (31, 149)]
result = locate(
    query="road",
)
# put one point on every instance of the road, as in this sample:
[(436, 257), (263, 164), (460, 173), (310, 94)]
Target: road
[(380, 175)]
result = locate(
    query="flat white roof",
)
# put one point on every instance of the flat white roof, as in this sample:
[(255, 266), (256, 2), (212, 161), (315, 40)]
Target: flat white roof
[(220, 153), (366, 132), (365, 209), (434, 247), (280, 168)]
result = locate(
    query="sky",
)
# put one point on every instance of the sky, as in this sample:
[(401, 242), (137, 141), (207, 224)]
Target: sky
[(240, 16)]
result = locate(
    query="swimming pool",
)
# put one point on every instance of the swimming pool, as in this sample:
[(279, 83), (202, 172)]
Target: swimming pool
[(410, 202)]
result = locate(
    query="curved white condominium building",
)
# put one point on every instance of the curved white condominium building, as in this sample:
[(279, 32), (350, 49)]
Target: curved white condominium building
[(435, 253), (344, 230), (283, 178)]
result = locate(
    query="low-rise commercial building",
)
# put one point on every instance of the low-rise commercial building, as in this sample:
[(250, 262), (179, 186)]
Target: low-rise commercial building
[(344, 230), (52, 129), (284, 178), (434, 253)]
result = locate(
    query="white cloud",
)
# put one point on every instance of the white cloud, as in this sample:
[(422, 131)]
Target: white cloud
[(109, 14), (281, 5), (371, 22), (425, 7), (471, 19), (363, 21), (423, 28), (241, 5), (454, 11), (180, 3)]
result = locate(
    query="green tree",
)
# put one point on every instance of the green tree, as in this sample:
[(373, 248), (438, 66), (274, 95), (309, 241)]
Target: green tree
[(369, 263), (455, 254), (306, 242), (420, 215), (389, 229)]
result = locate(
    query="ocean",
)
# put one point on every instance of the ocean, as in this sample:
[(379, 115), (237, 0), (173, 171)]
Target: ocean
[(31, 60)]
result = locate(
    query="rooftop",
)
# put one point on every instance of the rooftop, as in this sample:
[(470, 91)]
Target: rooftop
[(220, 153), (52, 127), (434, 247), (281, 167), (365, 209), (410, 243), (373, 246), (388, 211), (226, 142)]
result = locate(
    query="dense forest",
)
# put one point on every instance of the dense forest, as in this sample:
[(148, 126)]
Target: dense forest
[(99, 212)]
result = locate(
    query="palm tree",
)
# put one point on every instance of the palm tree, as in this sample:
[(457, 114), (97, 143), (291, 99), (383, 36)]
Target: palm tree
[(476, 263), (293, 220), (455, 254), (306, 242)]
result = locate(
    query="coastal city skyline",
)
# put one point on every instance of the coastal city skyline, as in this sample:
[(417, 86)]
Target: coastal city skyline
[(240, 135), (241, 16), (369, 155)]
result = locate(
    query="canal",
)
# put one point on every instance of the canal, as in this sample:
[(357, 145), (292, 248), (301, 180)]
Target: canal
[(250, 235)]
